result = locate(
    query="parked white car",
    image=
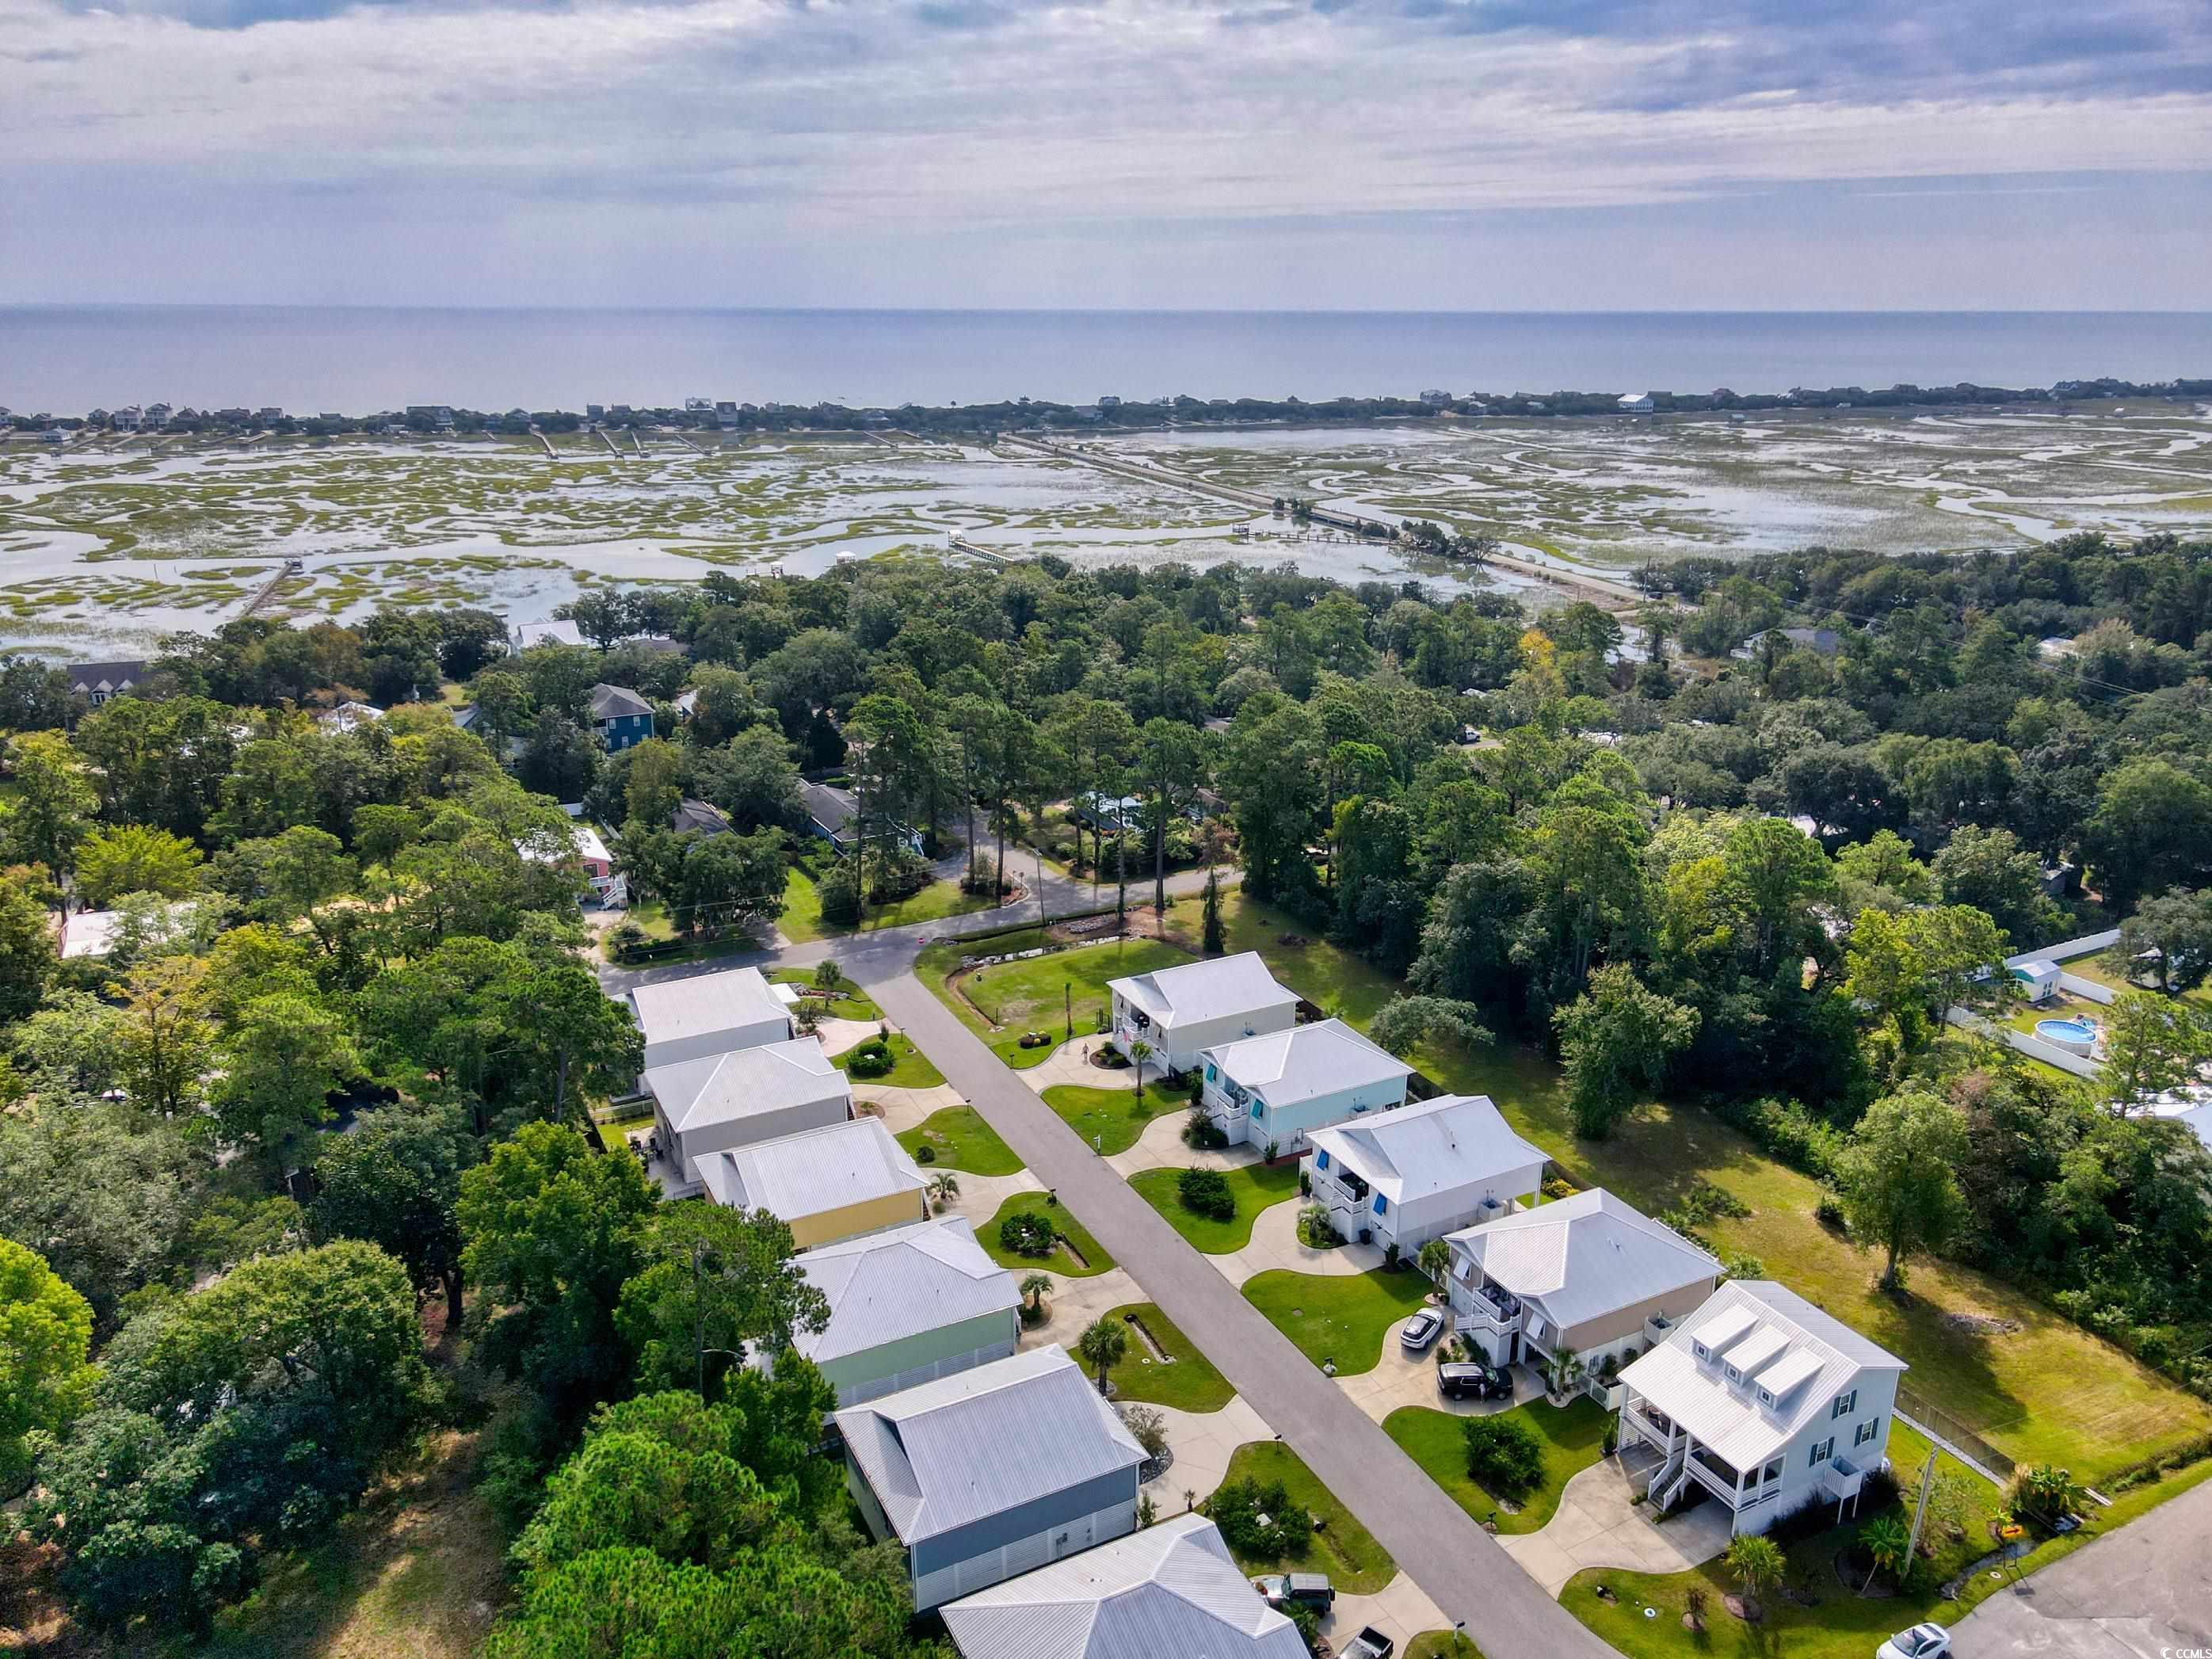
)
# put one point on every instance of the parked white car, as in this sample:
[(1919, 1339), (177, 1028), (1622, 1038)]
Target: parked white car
[(1921, 1642)]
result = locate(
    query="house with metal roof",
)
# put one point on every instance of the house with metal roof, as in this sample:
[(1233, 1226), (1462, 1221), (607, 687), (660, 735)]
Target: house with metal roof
[(908, 1307), (1172, 1588), (1180, 1012), (1591, 1277), (747, 1095), (96, 682), (709, 1014), (1764, 1401), (530, 634), (824, 1184), (834, 814), (699, 818), (620, 716), (1404, 1177), (1278, 1088), (992, 1474)]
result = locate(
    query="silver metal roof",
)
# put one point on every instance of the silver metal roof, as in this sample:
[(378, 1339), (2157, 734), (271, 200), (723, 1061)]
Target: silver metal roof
[(1306, 1061), (1171, 1591), (979, 1443), (769, 1077), (886, 1286), (1205, 990), (1454, 1143), (611, 701), (671, 1009), (1585, 1256), (1815, 1358), (812, 1171)]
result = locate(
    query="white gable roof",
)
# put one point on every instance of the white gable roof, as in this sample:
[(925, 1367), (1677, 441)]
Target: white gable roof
[(1196, 991), (814, 1170), (547, 633), (1583, 1257), (986, 1441), (1779, 1342), (1306, 1061), (1172, 1589), (885, 1286), (1451, 1144), (723, 1088), (672, 1010)]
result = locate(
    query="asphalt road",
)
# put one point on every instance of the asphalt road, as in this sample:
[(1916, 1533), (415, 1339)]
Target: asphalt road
[(1460, 1566), (2143, 1592)]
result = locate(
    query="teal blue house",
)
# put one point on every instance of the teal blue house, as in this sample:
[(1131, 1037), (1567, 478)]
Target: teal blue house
[(620, 716)]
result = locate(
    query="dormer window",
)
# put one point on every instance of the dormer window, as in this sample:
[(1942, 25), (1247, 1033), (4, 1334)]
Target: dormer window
[(1733, 1375), (1765, 1397), (1701, 1350)]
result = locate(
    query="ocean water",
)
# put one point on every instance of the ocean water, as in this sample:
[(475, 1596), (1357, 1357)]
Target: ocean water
[(66, 359)]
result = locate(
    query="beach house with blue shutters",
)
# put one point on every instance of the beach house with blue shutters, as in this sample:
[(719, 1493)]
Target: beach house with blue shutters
[(992, 1472), (1179, 1012), (620, 716), (1277, 1088), (1406, 1176)]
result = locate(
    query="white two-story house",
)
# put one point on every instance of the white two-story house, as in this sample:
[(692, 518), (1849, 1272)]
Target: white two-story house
[(1591, 1277), (1178, 1011), (1404, 1177), (1765, 1402), (1277, 1090)]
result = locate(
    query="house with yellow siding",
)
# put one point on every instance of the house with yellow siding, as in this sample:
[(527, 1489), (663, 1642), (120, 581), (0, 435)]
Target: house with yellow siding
[(825, 1184)]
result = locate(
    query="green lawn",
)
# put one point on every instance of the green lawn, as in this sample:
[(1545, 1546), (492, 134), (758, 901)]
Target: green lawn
[(999, 1004), (851, 1002), (2061, 1006), (1340, 1317), (2047, 1392), (1253, 1185), (2109, 975), (1341, 1547), (1112, 1119), (910, 1067), (1189, 1384), (653, 917), (1059, 1263), (962, 1140), (1572, 1436), (1442, 1644), (1842, 1627), (802, 921)]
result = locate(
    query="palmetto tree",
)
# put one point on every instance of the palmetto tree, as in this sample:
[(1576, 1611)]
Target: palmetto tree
[(1140, 1051), (1037, 1287), (1436, 1259), (1756, 1562), (1102, 1346), (943, 1187), (1890, 1544)]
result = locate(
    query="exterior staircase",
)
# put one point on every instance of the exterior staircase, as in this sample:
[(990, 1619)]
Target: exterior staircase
[(1667, 1485)]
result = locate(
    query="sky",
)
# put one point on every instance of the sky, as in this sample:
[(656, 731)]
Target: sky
[(1465, 155)]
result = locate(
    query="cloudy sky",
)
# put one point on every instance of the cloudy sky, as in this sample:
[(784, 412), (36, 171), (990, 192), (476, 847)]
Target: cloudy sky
[(1462, 154)]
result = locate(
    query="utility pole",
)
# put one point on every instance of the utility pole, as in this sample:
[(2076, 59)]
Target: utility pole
[(1920, 1510)]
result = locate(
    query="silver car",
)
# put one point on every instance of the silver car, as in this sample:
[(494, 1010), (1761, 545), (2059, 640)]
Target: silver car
[(1421, 1330)]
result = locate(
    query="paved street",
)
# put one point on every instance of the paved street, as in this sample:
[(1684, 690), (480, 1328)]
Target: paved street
[(2143, 1592), (1458, 1565)]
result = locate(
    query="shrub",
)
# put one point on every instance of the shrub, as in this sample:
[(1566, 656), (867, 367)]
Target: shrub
[(1830, 1214), (871, 1059), (1611, 1443), (925, 1153), (839, 893), (1147, 1426), (1315, 1232), (983, 877), (1026, 1233), (1259, 1520), (1503, 1454), (1205, 1192), (1202, 1132)]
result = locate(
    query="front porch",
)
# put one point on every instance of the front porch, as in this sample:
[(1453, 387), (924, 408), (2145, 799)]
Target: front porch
[(1748, 1495)]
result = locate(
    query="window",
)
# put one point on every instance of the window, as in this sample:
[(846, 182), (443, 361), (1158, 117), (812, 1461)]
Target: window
[(1381, 1205), (1823, 1451), (1733, 1375), (1701, 1350), (1845, 1405), (1773, 1471), (1258, 1107), (1320, 1160), (1866, 1431), (1766, 1397)]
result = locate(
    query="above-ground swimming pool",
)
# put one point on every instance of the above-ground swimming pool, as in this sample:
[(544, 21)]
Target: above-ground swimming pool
[(2076, 1035)]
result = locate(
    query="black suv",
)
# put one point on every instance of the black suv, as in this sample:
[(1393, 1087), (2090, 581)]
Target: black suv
[(1469, 1380)]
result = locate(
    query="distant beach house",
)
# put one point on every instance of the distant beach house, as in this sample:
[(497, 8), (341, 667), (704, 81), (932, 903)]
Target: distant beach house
[(743, 1098), (993, 1473), (1276, 1088), (709, 1014), (1590, 1276), (824, 1184), (908, 1307), (1636, 403), (530, 634), (349, 717), (833, 814), (700, 817), (1765, 1402), (1409, 1176), (96, 682), (1182, 1010), (620, 716)]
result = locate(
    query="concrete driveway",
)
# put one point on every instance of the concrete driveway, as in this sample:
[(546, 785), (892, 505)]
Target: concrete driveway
[(1401, 1379), (1161, 1146), (1599, 1524), (1073, 1303), (2143, 1592), (902, 1109), (1203, 1443), (1275, 1244), (1069, 1064), (1400, 1610)]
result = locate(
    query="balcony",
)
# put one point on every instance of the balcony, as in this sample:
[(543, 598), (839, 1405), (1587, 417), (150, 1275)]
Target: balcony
[(1655, 1427), (1500, 1309)]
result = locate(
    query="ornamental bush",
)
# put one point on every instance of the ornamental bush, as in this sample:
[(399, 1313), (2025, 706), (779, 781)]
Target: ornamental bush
[(1503, 1454), (1026, 1233), (1205, 1192)]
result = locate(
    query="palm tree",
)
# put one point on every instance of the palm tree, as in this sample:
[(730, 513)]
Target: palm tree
[(943, 1187), (1756, 1561), (1102, 1346), (1435, 1260), (1889, 1543), (1037, 1287), (1140, 1051)]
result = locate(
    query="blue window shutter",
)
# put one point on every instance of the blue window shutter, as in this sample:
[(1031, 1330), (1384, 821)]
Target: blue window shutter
[(1320, 1160), (1381, 1205), (1258, 1107)]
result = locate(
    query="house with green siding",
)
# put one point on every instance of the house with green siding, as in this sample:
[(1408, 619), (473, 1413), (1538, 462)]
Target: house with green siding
[(907, 1307)]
